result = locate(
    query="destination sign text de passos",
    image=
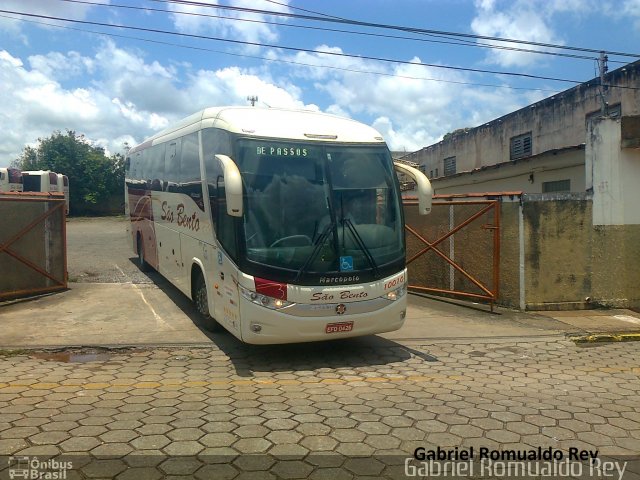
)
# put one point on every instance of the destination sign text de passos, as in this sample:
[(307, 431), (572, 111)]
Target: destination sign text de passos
[(282, 151)]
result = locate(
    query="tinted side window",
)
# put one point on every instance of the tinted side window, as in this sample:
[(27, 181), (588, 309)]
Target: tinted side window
[(172, 165), (215, 141), (190, 159), (190, 178), (225, 224), (31, 183), (136, 168), (213, 172), (156, 166)]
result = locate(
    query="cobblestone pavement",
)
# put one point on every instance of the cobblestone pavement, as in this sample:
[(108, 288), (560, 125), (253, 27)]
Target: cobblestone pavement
[(352, 409)]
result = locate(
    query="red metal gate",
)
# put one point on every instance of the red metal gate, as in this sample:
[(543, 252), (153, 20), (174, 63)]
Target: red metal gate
[(471, 228), (33, 252)]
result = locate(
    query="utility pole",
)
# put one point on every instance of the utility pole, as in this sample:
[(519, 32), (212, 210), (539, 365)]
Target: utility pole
[(602, 67), (253, 99)]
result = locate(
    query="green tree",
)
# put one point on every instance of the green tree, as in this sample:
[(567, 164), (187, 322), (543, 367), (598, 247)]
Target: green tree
[(96, 181)]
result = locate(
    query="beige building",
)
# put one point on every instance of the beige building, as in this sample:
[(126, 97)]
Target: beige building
[(537, 149)]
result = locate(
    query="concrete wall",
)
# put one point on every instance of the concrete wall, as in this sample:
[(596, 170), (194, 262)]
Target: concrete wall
[(557, 251), (552, 256), (613, 174), (43, 245)]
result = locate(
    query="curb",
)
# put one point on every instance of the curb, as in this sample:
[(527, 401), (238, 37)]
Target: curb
[(606, 337)]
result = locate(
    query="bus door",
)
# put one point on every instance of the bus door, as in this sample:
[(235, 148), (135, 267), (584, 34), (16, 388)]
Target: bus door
[(226, 299)]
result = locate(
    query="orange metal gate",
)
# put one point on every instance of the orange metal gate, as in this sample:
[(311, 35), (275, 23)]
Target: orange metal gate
[(455, 251), (33, 251)]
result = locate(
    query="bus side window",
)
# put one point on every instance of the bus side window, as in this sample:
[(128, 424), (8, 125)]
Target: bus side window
[(225, 223), (216, 141), (172, 166), (156, 166), (135, 166), (143, 169), (190, 177), (212, 171)]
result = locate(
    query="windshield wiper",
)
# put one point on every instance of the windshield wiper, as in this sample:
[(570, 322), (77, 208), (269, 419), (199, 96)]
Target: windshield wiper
[(314, 253), (361, 244)]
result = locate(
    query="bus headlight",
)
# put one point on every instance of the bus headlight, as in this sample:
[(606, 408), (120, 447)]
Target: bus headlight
[(263, 300), (397, 293)]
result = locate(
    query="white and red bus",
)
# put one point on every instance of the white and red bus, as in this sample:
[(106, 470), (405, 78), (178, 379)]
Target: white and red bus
[(46, 181), (282, 226), (10, 179)]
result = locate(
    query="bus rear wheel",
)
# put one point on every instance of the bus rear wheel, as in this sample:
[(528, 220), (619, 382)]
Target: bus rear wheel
[(142, 263), (201, 301)]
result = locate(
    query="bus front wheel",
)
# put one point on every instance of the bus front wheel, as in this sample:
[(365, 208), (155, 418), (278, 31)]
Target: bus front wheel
[(201, 300)]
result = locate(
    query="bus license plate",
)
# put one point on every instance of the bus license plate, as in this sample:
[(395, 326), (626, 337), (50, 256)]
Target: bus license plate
[(338, 327)]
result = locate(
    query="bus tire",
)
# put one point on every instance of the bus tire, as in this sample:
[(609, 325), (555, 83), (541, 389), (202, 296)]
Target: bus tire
[(142, 263), (201, 302)]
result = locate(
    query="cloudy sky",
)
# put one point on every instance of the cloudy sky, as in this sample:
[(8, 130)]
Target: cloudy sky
[(117, 85)]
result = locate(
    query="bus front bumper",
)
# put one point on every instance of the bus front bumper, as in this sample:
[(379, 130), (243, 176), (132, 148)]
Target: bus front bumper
[(262, 325)]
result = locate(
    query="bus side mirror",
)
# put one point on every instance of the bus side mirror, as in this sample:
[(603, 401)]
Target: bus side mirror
[(232, 184), (423, 186)]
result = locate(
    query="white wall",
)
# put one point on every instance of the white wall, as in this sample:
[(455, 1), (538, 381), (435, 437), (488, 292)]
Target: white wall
[(511, 177), (613, 173)]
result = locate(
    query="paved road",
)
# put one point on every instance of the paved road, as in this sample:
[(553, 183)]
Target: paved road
[(349, 409), (99, 251)]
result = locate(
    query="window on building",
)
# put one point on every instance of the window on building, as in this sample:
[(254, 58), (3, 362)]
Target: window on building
[(520, 146), (436, 172), (423, 169), (450, 166), (556, 186), (431, 174)]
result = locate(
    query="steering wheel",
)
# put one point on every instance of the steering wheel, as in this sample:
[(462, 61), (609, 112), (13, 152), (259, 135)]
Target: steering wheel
[(297, 240)]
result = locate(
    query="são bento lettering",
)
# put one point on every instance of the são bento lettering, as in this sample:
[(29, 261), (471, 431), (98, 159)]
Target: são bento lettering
[(192, 222)]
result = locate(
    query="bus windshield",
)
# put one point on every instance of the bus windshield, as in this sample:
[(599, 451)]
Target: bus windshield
[(319, 209)]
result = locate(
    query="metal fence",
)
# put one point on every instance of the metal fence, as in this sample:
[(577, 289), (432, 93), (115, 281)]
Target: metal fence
[(33, 252), (455, 250)]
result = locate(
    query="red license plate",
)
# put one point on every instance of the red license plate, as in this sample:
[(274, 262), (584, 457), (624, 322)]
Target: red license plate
[(338, 327)]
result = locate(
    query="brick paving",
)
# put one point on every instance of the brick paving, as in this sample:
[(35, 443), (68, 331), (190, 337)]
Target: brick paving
[(353, 409)]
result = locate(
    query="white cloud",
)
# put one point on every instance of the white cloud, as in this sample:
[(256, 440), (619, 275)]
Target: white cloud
[(631, 8), (523, 20), (410, 110), (127, 98), (74, 11), (59, 65), (243, 26), (537, 20)]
